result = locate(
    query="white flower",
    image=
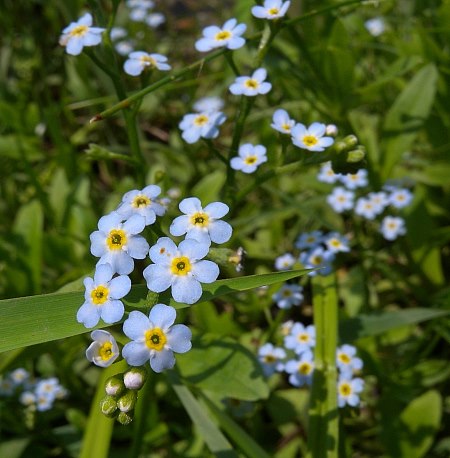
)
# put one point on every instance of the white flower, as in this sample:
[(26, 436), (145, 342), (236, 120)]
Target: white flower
[(301, 338), (155, 338), (271, 358), (203, 225), (19, 376), (380, 201), (327, 174), (204, 124), (288, 295), (366, 208), (312, 137), (355, 180), (348, 390), (103, 351), (400, 198), (208, 104), (336, 243), (392, 227), (301, 370), (375, 26), (102, 297), (250, 157), (251, 85), (138, 61), (271, 9), (117, 243), (285, 261), (228, 36), (346, 360), (180, 268), (282, 122), (79, 34), (341, 199), (144, 203)]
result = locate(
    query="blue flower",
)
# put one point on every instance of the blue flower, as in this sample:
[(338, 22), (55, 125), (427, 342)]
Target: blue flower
[(154, 338), (282, 122), (288, 295), (271, 358), (285, 261), (348, 390), (354, 180), (341, 199), (336, 242), (102, 297), (271, 9), (117, 243), (203, 225), (312, 137), (301, 370), (347, 361), (180, 268), (103, 351), (309, 240), (327, 174), (317, 258), (392, 227), (208, 104), (251, 85), (138, 61), (228, 36), (204, 124), (79, 34), (300, 338), (250, 157)]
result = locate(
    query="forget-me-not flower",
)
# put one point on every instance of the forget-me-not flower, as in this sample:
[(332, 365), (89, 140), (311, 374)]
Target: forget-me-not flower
[(317, 258), (288, 295), (312, 137), (392, 227), (285, 261), (309, 240), (347, 361), (354, 180), (341, 199), (327, 174), (138, 61), (348, 390), (301, 370), (249, 158), (251, 85), (228, 36), (271, 9), (155, 338), (103, 351), (300, 338), (400, 198), (282, 122), (271, 358), (204, 124), (336, 243)]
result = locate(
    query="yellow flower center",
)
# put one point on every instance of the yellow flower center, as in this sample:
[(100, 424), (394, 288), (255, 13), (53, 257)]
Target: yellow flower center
[(400, 197), (303, 337), (251, 83), (105, 351), (286, 127), (310, 240), (200, 219), (269, 359), (79, 31), (345, 389), (222, 35), (287, 293), (249, 160), (316, 260), (180, 266), (273, 11), (99, 295), (148, 61), (155, 339), (305, 368), (116, 239), (344, 358), (392, 226), (201, 120), (310, 140), (335, 242), (141, 201)]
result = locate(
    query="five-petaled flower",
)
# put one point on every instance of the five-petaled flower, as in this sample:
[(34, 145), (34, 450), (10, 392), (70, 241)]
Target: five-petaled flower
[(104, 350), (250, 157), (251, 85), (102, 297), (79, 34), (228, 36), (181, 268), (282, 122), (155, 338), (204, 124), (312, 137), (138, 61), (271, 9)]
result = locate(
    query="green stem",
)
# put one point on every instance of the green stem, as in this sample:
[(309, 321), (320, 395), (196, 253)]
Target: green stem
[(231, 63)]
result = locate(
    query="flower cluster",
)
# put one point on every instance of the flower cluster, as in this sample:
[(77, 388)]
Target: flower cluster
[(36, 394), (296, 359), (369, 205)]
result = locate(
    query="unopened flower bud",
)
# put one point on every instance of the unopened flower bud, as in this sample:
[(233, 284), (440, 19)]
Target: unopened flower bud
[(125, 418), (134, 379), (108, 406), (350, 141), (127, 401), (332, 130), (356, 155), (114, 386)]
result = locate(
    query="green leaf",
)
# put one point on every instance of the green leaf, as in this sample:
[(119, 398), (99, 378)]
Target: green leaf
[(14, 447), (407, 115), (371, 325), (47, 317), (420, 422), (209, 187), (225, 367)]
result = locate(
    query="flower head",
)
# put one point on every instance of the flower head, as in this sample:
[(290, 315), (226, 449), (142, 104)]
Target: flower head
[(317, 258), (155, 338), (288, 295), (180, 268), (300, 338), (285, 261), (400, 198), (282, 122), (271, 358), (347, 361), (312, 137), (348, 390), (301, 370), (251, 85), (336, 243), (79, 34), (228, 36), (375, 26), (138, 61), (309, 240), (117, 243), (202, 224), (208, 104), (327, 174), (204, 124), (103, 351), (144, 203), (250, 157), (392, 227), (341, 199), (354, 180), (271, 9), (102, 297)]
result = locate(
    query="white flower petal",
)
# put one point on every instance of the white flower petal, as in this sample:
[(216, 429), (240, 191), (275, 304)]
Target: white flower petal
[(162, 316), (136, 353), (179, 338), (186, 289), (162, 360), (135, 325), (205, 271)]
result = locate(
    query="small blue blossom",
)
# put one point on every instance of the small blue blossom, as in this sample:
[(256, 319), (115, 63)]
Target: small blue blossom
[(202, 224), (288, 295), (312, 137), (366, 208), (144, 203), (375, 26), (282, 122), (354, 180), (347, 361), (208, 104), (204, 124), (251, 85), (348, 391), (301, 370), (380, 201), (309, 240), (285, 261), (103, 351), (117, 243), (271, 359), (400, 198), (317, 258), (271, 9), (301, 338), (327, 174), (19, 376), (392, 227), (341, 199), (249, 158), (154, 20), (336, 243), (79, 34), (102, 297), (180, 268), (138, 61), (228, 36), (155, 338)]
